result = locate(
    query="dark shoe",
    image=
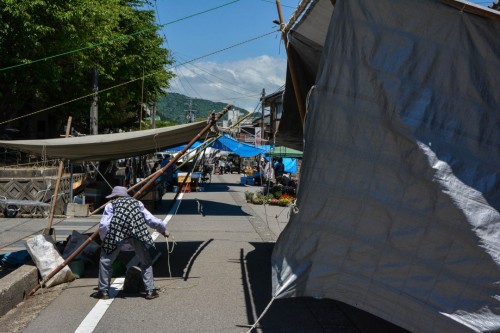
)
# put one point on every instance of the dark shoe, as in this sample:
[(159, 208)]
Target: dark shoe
[(100, 295), (150, 294)]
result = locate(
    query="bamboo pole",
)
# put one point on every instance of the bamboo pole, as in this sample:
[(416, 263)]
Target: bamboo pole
[(49, 230), (142, 101), (160, 171), (474, 9), (298, 95), (213, 120)]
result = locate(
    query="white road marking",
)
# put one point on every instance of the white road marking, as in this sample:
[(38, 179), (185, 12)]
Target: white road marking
[(174, 209), (95, 315)]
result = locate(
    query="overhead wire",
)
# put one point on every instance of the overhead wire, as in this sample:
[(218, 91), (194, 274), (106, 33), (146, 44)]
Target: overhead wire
[(185, 83), (274, 3), (179, 80), (218, 77), (173, 81), (133, 80), (138, 78), (117, 38), (226, 87)]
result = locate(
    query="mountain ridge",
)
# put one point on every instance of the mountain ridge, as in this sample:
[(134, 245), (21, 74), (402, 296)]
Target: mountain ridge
[(174, 108)]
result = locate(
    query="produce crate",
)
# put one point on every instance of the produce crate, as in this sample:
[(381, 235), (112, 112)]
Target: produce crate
[(181, 176)]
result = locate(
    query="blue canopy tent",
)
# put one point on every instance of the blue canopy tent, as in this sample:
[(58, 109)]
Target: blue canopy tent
[(290, 164), (227, 143)]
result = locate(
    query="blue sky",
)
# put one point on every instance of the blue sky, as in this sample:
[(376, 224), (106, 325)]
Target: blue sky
[(236, 75), (231, 23)]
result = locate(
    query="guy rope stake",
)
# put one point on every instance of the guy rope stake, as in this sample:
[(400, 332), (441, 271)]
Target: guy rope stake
[(213, 120)]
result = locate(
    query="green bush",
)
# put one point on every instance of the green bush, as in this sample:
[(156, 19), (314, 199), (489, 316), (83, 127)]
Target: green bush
[(277, 191), (248, 196), (258, 201)]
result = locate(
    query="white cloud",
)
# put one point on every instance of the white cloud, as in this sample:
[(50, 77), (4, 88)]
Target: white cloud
[(239, 82)]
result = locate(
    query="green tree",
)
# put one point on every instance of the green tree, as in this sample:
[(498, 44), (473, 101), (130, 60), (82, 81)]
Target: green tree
[(38, 29), (172, 107)]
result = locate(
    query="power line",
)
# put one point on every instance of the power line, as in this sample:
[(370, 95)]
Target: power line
[(206, 79), (221, 79), (229, 47), (227, 85), (139, 78), (116, 39), (187, 82), (274, 3)]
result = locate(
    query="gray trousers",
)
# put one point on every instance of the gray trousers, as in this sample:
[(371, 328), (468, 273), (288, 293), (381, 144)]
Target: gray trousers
[(106, 265)]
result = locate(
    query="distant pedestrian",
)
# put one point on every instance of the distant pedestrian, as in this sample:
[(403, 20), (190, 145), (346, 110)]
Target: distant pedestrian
[(222, 166), (268, 172), (279, 168), (128, 173), (156, 166), (124, 222)]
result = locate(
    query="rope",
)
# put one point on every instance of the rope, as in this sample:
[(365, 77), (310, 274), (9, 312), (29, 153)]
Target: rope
[(169, 252), (35, 163), (44, 156), (136, 79), (157, 148), (96, 169), (262, 315)]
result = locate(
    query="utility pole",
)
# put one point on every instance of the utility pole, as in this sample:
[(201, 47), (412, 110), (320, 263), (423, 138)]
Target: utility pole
[(153, 116), (262, 134), (93, 107), (190, 113), (142, 101)]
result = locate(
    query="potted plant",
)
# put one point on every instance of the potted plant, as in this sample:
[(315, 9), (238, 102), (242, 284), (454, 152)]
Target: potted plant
[(248, 196), (258, 198)]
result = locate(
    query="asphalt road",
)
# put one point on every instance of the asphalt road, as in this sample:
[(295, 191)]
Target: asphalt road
[(217, 278)]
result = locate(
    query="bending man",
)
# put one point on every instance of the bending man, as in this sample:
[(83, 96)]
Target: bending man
[(124, 222)]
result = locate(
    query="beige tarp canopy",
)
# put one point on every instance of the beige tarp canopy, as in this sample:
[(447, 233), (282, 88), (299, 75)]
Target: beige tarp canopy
[(109, 146)]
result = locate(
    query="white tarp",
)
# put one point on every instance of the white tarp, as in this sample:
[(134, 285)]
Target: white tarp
[(399, 194), (109, 146)]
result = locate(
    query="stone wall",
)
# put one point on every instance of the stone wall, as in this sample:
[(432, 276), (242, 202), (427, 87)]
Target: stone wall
[(36, 184)]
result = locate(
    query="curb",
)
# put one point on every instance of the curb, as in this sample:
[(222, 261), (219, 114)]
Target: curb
[(16, 285)]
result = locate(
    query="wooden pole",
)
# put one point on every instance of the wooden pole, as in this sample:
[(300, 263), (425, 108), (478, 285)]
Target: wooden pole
[(142, 101), (138, 194), (160, 171), (58, 183), (94, 108), (183, 151), (263, 129), (298, 95)]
